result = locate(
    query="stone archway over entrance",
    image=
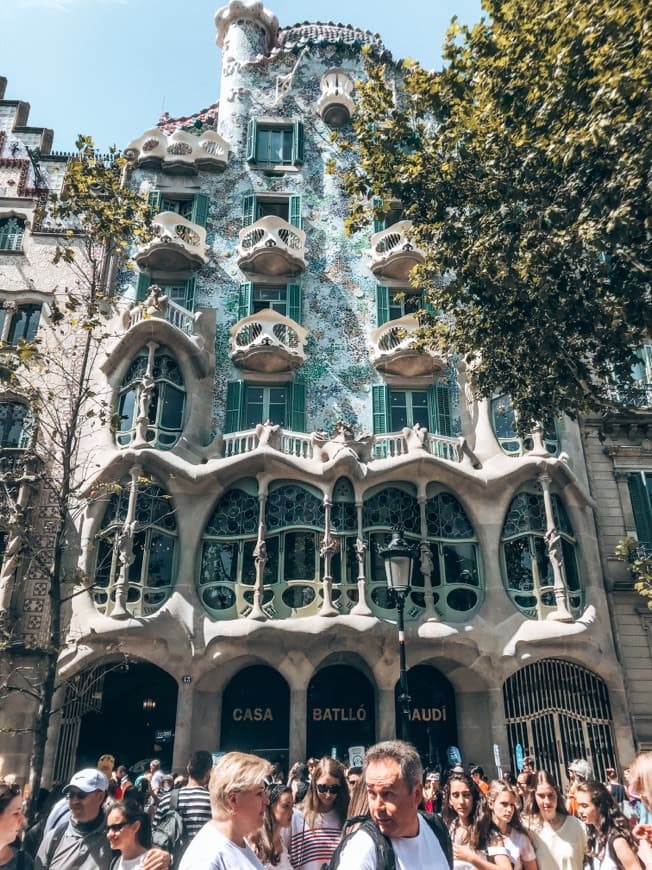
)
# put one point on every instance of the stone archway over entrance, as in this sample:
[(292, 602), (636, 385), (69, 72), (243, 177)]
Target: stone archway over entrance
[(256, 714), (127, 710), (557, 711), (433, 719), (340, 712)]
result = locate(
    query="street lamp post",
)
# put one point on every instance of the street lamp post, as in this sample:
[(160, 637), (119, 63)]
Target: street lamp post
[(399, 559)]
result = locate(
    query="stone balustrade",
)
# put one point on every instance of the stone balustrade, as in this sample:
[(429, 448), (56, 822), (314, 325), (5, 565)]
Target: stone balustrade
[(394, 349), (272, 246), (335, 104), (179, 152), (268, 341), (178, 316)]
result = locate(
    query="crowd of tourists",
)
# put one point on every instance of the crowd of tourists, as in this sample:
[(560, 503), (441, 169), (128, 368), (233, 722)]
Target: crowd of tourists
[(242, 813)]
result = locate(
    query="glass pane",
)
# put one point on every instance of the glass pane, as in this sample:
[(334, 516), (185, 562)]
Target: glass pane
[(518, 564), (218, 598), (24, 323), (271, 565), (461, 599), (270, 297), (299, 596), (172, 410), (544, 566), (420, 409), (376, 562), (398, 410), (287, 146), (12, 417), (219, 561), (161, 560), (300, 550), (236, 514), (126, 409), (460, 564), (248, 563), (104, 560), (570, 565), (254, 406), (503, 417), (277, 405), (380, 597)]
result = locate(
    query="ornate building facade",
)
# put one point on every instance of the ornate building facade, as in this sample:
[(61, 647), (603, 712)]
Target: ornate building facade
[(274, 422)]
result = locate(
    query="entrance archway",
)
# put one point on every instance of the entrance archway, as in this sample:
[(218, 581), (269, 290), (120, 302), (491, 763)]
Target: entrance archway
[(558, 711), (256, 714), (341, 712), (433, 720), (127, 710)]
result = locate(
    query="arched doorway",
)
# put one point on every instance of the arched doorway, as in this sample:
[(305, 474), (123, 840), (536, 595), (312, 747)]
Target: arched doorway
[(256, 714), (558, 711), (341, 712), (126, 709), (433, 719)]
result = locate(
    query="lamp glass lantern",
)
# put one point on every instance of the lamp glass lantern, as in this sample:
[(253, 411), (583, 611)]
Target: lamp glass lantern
[(398, 556)]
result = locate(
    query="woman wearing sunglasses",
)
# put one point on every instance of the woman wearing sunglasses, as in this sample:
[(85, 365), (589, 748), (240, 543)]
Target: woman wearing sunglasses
[(316, 830), (12, 821), (129, 832)]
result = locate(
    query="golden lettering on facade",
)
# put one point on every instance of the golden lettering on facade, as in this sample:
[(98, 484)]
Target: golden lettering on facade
[(252, 714), (339, 714), (428, 714)]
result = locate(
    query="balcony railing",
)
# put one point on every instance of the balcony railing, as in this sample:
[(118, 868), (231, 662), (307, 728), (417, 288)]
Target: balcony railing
[(272, 246), (396, 444), (394, 349), (183, 319), (268, 342), (335, 104), (285, 441), (393, 255), (180, 152), (636, 395), (178, 245)]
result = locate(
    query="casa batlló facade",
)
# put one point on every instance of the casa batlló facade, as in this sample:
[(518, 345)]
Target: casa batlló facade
[(276, 423)]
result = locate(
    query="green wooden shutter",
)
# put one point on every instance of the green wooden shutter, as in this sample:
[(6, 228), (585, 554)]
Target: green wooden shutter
[(245, 300), (297, 142), (142, 287), (190, 294), (382, 304), (380, 403), (296, 405), (439, 409), (234, 406), (426, 304), (379, 225), (250, 148), (199, 211), (294, 302), (155, 199), (248, 209), (294, 211), (641, 508)]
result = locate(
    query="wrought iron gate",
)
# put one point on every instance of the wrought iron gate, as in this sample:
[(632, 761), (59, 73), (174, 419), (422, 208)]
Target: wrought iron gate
[(83, 693), (559, 711)]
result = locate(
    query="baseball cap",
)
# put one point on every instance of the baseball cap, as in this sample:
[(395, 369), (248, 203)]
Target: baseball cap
[(88, 780)]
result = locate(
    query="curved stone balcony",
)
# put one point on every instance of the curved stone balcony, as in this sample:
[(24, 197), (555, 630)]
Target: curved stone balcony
[(268, 342), (178, 245), (272, 246), (335, 104), (393, 350), (392, 254), (181, 152)]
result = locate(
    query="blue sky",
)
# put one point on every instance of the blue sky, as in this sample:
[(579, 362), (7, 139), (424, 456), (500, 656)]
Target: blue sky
[(110, 67)]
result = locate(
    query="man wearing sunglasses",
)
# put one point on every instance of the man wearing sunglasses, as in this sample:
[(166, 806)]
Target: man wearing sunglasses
[(397, 834), (80, 840)]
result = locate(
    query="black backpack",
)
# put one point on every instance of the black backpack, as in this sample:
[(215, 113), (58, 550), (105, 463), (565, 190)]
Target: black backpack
[(169, 833), (385, 858)]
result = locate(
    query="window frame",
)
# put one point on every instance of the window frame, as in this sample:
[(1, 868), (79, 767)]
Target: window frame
[(295, 155), (11, 240)]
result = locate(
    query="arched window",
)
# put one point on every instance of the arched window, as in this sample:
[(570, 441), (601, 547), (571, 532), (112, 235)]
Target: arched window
[(383, 511), (16, 425), (227, 553), (503, 419), (152, 391), (150, 544), (12, 230), (294, 519), (454, 551), (528, 572), (19, 323)]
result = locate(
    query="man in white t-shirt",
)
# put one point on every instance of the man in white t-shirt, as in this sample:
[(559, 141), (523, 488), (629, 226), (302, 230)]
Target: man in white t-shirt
[(393, 775)]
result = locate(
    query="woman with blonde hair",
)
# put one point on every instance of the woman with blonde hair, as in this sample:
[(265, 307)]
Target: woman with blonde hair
[(316, 830), (503, 801), (238, 799)]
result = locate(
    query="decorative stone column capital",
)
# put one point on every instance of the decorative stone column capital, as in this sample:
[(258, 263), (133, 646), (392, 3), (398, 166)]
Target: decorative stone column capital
[(248, 10)]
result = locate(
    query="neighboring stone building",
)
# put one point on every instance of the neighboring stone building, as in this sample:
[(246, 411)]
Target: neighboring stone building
[(274, 424)]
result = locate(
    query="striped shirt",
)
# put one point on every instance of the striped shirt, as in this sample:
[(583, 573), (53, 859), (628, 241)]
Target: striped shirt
[(194, 807), (311, 848)]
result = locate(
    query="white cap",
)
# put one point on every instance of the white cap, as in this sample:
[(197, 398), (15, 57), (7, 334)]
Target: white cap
[(88, 780)]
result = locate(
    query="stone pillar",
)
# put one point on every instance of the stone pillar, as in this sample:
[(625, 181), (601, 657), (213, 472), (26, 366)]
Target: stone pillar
[(298, 724), (497, 730), (385, 715), (555, 554), (52, 742), (183, 745), (207, 724)]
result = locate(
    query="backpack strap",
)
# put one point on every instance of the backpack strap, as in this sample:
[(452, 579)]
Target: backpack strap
[(57, 837)]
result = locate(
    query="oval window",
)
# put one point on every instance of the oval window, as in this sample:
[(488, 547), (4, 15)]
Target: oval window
[(298, 596), (218, 597), (380, 597), (248, 596), (461, 599)]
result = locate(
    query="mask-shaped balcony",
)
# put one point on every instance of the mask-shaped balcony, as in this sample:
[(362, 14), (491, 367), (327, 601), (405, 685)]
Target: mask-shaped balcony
[(268, 342), (393, 350), (272, 246), (178, 245), (393, 255), (335, 104), (181, 152)]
